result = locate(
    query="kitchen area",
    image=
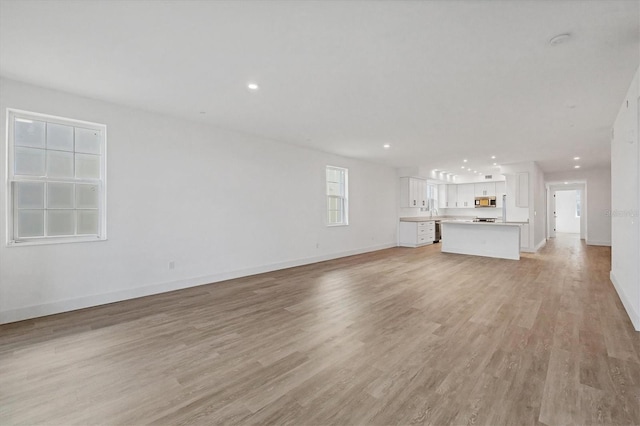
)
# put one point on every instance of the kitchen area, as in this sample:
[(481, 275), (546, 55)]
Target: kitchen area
[(488, 217)]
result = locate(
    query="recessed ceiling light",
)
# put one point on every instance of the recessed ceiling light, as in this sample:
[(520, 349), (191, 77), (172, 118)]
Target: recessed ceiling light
[(566, 183), (559, 39), (576, 158), (576, 167), (386, 146), (469, 169), (495, 164), (462, 167), (464, 161), (493, 157), (252, 86), (475, 171)]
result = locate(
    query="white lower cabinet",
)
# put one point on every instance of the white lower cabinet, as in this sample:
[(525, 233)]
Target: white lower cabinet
[(524, 236), (415, 234)]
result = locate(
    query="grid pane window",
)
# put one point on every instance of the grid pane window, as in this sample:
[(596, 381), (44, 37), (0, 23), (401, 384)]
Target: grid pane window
[(56, 179), (337, 196)]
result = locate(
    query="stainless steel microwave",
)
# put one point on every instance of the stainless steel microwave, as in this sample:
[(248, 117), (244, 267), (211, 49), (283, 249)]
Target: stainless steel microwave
[(485, 202)]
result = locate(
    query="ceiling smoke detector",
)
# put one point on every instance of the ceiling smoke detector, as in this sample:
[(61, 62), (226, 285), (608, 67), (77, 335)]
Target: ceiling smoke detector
[(559, 39)]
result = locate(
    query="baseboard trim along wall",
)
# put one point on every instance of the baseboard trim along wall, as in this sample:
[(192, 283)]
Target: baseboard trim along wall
[(598, 243), (541, 244), (35, 311), (633, 315)]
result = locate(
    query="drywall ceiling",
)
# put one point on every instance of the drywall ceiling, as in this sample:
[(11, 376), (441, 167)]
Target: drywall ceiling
[(439, 81)]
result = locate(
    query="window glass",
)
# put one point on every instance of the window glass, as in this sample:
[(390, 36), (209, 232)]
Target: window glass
[(56, 179)]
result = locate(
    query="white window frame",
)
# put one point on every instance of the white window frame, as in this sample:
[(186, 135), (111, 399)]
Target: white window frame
[(344, 197), (12, 178), (432, 196)]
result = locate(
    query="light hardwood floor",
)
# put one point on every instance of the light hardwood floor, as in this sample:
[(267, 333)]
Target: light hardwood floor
[(399, 336)]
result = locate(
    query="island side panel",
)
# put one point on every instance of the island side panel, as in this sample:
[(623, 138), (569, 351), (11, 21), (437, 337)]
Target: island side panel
[(481, 240)]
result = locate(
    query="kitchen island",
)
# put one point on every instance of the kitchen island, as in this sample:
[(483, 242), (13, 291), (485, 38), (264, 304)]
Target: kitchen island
[(501, 240)]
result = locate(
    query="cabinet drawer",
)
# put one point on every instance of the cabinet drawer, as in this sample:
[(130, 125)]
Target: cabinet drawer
[(422, 224), (422, 231), (423, 239)]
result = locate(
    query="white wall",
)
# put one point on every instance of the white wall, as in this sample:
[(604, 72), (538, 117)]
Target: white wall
[(538, 212), (534, 213), (218, 203), (514, 213), (566, 202), (625, 203), (596, 203)]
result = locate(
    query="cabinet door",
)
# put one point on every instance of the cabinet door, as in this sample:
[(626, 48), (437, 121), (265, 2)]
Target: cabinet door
[(478, 189), (466, 195), (490, 189), (452, 196), (422, 193), (413, 193), (442, 196), (485, 189)]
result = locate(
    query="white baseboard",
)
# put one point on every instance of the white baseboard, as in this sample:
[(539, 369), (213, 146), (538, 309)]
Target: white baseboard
[(633, 315), (35, 311), (541, 244), (598, 243)]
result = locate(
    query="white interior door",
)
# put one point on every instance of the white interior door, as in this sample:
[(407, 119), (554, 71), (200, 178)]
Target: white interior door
[(552, 215)]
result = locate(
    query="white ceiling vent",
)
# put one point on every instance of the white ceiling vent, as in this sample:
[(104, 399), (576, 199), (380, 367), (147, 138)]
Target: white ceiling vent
[(488, 176)]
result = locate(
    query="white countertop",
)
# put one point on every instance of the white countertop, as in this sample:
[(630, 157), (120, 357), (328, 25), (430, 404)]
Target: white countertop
[(429, 218), (460, 222), (457, 219)]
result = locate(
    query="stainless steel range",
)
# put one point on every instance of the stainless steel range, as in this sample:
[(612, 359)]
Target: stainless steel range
[(485, 219)]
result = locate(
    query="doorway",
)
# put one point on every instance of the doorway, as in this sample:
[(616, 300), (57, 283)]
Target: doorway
[(566, 209)]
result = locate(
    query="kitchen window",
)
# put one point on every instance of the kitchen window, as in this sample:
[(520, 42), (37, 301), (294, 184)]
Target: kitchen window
[(56, 179), (337, 179), (432, 197)]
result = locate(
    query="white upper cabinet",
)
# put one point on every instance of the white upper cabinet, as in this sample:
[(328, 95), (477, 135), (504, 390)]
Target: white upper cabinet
[(442, 196), (452, 196), (413, 192), (466, 197), (485, 189)]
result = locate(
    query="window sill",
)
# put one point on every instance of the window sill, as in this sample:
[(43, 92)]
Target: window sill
[(51, 241), (337, 225)]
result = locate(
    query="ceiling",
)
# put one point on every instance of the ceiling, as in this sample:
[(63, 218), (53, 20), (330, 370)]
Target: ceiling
[(440, 81)]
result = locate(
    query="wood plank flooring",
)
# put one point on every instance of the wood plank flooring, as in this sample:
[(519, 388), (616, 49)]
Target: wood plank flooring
[(399, 336)]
